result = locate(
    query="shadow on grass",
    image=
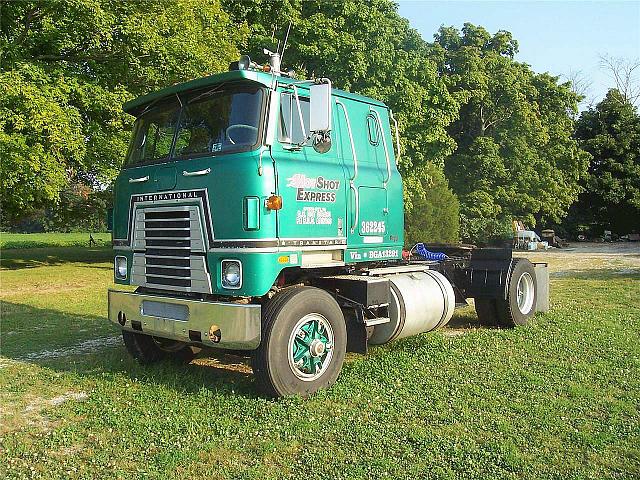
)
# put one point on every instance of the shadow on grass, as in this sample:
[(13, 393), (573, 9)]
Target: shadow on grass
[(466, 319), (80, 344), (38, 257)]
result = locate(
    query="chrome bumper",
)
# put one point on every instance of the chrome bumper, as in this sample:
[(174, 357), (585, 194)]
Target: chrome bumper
[(214, 324)]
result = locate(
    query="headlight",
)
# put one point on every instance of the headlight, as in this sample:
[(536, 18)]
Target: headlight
[(231, 274), (120, 267)]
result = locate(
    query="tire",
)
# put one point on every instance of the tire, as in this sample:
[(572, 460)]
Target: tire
[(304, 341), (147, 349), (520, 305), (487, 311)]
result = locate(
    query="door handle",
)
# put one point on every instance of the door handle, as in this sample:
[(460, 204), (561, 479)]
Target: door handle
[(353, 148), (354, 225), (395, 122), (139, 180), (196, 173)]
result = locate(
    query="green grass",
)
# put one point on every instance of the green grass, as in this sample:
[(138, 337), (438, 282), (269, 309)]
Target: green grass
[(557, 399), (37, 240)]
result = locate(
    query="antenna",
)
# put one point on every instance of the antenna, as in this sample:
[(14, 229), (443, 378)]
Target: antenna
[(284, 46)]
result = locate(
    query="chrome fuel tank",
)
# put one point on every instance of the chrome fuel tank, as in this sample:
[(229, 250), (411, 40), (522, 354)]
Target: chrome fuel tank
[(420, 302)]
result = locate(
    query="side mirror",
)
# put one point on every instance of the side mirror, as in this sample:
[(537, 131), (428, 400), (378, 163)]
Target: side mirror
[(320, 108), (320, 116)]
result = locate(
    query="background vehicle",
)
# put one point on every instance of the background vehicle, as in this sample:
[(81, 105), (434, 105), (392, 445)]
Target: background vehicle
[(257, 212)]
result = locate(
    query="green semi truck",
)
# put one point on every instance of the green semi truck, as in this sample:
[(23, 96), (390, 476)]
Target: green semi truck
[(260, 213)]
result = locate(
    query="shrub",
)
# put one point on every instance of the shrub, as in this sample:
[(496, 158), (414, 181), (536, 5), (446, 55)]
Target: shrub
[(432, 210)]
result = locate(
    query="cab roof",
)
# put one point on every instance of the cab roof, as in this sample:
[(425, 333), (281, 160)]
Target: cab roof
[(135, 106)]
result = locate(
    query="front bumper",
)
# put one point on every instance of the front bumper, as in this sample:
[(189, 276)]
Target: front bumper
[(214, 324)]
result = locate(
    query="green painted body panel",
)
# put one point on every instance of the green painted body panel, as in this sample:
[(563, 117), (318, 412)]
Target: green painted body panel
[(380, 207), (232, 178), (321, 211)]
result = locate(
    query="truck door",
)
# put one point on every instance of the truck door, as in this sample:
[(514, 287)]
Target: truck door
[(374, 192), (367, 170), (312, 184)]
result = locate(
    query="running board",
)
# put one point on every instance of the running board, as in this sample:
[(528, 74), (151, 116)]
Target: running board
[(370, 322)]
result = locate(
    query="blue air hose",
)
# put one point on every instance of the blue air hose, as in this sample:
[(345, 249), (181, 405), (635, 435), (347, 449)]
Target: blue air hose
[(427, 255)]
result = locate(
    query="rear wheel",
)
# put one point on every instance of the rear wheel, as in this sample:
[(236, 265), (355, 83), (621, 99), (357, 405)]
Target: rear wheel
[(304, 341), (520, 305), (147, 349)]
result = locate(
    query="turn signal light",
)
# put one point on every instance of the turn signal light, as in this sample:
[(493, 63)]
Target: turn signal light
[(274, 202)]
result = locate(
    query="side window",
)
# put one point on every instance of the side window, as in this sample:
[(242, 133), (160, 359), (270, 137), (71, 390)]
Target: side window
[(290, 130), (374, 130)]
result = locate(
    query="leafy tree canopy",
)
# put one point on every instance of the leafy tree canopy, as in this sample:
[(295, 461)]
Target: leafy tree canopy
[(66, 68), (610, 132), (502, 133), (516, 157)]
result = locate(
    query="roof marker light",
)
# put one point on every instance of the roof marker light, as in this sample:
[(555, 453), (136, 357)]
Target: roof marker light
[(244, 63)]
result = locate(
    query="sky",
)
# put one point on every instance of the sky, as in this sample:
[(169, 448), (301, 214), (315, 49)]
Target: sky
[(559, 37)]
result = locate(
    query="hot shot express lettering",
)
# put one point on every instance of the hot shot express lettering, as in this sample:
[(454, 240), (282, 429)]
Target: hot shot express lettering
[(318, 189)]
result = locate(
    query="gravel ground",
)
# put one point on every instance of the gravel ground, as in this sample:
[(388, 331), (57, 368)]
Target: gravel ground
[(621, 257)]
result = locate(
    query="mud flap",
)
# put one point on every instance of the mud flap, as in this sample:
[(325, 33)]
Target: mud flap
[(488, 273)]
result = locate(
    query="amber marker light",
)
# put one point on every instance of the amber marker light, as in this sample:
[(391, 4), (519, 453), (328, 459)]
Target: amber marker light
[(274, 202)]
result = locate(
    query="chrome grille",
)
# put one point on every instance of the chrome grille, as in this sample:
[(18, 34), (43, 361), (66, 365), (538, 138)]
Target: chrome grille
[(169, 249)]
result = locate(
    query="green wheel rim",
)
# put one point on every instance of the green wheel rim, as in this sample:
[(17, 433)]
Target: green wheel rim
[(310, 347)]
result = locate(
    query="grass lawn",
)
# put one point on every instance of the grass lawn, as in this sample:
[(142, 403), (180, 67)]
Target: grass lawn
[(559, 398), (35, 240)]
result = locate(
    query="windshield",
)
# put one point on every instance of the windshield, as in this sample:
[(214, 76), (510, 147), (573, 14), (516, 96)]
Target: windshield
[(153, 134), (208, 123)]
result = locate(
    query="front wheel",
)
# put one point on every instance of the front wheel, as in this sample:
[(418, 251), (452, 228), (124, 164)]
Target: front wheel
[(147, 349), (304, 341)]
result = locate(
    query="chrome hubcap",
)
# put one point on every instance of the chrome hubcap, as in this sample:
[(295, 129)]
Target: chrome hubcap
[(310, 347), (525, 292), (316, 348)]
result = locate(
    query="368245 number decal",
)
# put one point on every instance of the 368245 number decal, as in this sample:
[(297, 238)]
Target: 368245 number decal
[(372, 227)]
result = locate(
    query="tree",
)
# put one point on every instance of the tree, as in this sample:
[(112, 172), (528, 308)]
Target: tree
[(435, 216), (582, 86), (610, 132), (515, 155), (626, 77), (66, 67)]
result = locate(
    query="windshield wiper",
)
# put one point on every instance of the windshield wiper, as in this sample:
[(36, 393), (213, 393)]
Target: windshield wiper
[(215, 89)]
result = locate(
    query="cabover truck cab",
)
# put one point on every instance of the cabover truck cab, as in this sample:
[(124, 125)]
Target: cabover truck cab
[(261, 213)]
